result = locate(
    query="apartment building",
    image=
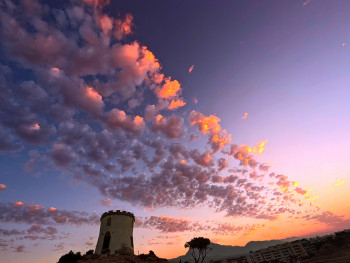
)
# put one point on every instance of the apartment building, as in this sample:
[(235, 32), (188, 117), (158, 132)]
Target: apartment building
[(287, 252)]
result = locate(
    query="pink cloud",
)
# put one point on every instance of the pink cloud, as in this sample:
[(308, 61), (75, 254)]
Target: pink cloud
[(19, 249), (210, 125), (19, 212), (117, 119), (123, 27), (306, 2), (170, 89), (175, 104), (106, 23), (301, 191), (97, 3), (3, 187), (171, 127), (106, 202)]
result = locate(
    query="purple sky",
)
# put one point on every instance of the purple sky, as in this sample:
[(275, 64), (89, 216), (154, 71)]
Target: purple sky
[(100, 110)]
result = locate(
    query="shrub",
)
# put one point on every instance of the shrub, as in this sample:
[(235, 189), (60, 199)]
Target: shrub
[(70, 257)]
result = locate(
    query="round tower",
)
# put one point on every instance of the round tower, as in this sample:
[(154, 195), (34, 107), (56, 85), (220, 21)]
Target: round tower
[(116, 232)]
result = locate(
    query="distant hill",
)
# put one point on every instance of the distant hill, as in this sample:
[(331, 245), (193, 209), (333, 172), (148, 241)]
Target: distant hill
[(223, 252)]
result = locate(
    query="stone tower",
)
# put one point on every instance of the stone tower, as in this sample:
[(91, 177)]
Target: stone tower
[(116, 231)]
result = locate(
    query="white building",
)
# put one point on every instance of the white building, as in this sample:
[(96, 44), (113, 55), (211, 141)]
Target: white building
[(286, 252), (116, 232)]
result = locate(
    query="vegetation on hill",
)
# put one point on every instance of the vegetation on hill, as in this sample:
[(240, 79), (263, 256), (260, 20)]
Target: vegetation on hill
[(333, 248), (122, 256), (70, 257)]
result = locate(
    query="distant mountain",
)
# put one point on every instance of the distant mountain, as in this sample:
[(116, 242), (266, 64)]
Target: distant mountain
[(218, 252)]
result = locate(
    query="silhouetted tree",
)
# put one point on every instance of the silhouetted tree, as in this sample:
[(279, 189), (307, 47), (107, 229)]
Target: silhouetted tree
[(199, 247), (90, 252), (70, 257)]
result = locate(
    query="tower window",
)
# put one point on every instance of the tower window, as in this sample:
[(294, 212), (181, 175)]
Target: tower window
[(109, 221), (132, 241)]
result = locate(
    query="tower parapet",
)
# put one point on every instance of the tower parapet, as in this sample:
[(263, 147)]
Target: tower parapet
[(116, 232), (117, 212)]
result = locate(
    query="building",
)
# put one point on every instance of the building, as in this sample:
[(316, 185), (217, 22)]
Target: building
[(286, 252), (116, 232)]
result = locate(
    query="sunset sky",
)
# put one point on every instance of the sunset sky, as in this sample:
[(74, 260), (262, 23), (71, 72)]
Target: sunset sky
[(223, 119)]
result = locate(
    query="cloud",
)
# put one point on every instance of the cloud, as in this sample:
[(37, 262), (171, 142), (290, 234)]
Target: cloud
[(59, 247), (8, 141), (117, 119), (19, 249), (204, 159), (205, 124), (124, 27), (13, 232), (171, 127), (2, 187), (306, 2), (329, 218), (99, 4), (19, 212), (175, 104), (259, 148), (339, 182), (89, 244), (106, 202), (165, 224), (173, 225), (106, 23), (210, 125), (37, 231), (301, 191), (170, 89), (63, 155), (150, 112)]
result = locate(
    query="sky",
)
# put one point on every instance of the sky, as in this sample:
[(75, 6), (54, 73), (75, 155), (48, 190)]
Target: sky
[(223, 119)]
